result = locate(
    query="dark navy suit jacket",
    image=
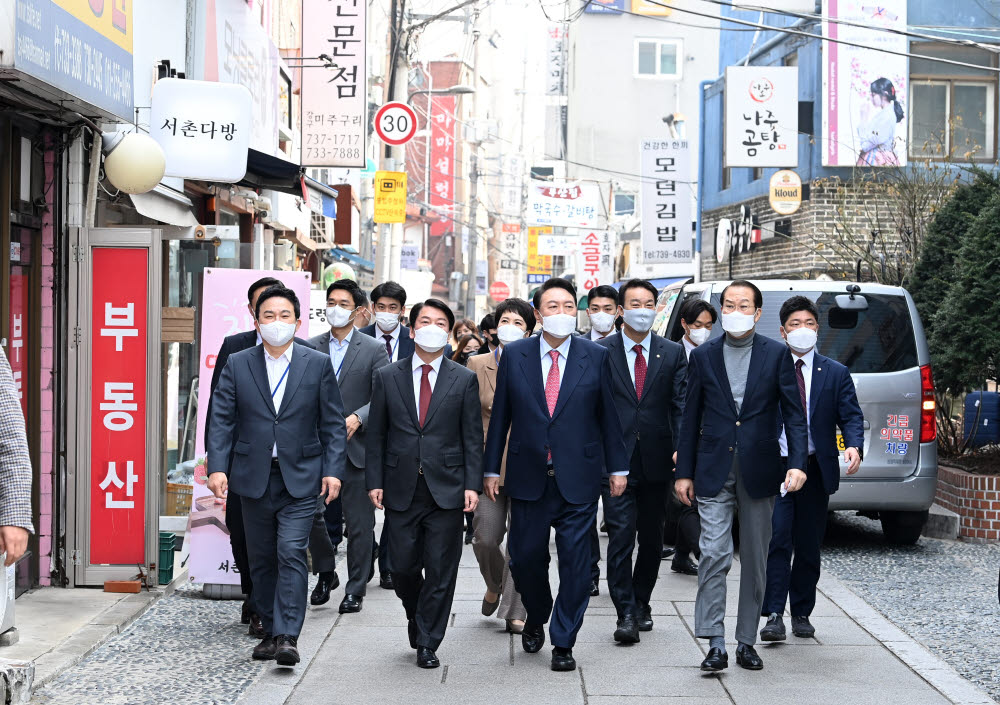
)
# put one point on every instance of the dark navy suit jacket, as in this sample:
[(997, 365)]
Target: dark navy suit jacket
[(406, 344), (712, 430), (583, 432)]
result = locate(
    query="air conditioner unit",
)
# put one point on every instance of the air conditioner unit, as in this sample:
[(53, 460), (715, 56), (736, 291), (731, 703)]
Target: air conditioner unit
[(284, 256)]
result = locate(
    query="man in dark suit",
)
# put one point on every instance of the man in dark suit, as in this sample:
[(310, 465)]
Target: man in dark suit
[(425, 465), (728, 457), (234, 508), (278, 435), (648, 382), (355, 358), (799, 521), (554, 397)]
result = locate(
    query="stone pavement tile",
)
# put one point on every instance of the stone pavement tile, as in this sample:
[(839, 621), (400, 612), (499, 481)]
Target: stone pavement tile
[(531, 683), (836, 631), (666, 631), (646, 653), (651, 681), (653, 700)]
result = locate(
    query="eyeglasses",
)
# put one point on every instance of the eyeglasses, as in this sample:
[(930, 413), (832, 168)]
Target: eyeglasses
[(745, 309)]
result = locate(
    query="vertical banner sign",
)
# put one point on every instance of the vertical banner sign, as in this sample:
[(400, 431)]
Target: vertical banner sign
[(20, 304), (118, 406), (865, 90), (762, 116), (595, 262), (555, 59), (442, 166), (224, 312), (665, 166), (539, 266), (334, 101)]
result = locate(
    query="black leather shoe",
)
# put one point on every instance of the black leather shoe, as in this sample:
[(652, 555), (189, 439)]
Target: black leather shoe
[(595, 589), (326, 583), (385, 581), (746, 656), (256, 629), (627, 631), (716, 660), (287, 651), (774, 630), (645, 619), (685, 566), (426, 658), (351, 603), (533, 638), (264, 651), (412, 632), (802, 628), (562, 659), (667, 552), (246, 612), (468, 538)]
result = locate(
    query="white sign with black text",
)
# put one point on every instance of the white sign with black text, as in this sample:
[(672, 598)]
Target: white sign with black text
[(762, 116), (667, 214)]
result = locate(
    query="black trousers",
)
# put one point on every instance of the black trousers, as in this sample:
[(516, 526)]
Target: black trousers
[(682, 528), (238, 541), (426, 543), (333, 515), (595, 553)]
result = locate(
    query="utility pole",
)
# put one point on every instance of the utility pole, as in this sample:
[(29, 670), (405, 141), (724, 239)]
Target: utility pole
[(470, 265)]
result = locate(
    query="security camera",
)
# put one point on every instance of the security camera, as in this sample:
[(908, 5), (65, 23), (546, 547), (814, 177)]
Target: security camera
[(263, 204), (264, 214)]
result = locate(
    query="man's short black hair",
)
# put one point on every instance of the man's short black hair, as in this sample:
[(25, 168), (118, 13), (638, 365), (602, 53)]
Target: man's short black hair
[(758, 298), (519, 306), (692, 309), (433, 303), (796, 304), (637, 284), (279, 291), (536, 298), (389, 290), (351, 287), (266, 282), (603, 291), (488, 323), (554, 283)]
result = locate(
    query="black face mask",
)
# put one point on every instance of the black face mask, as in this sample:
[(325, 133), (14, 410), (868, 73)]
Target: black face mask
[(463, 358), (494, 340)]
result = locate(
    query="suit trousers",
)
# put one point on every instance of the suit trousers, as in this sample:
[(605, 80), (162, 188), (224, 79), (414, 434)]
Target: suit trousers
[(384, 567), (798, 525), (426, 543), (682, 528), (530, 525), (334, 517), (595, 553), (638, 513), (717, 515), (277, 528), (324, 555), (359, 513), (238, 541), (490, 525)]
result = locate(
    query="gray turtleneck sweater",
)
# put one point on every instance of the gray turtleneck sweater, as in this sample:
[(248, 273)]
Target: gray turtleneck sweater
[(736, 354)]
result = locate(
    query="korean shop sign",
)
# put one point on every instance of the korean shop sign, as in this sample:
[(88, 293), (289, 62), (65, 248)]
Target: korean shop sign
[(575, 204), (762, 116), (118, 406), (390, 197), (203, 127), (667, 213)]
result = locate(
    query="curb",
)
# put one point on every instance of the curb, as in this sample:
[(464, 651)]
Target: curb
[(98, 631), (939, 674)]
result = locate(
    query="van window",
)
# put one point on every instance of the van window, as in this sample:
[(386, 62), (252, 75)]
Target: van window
[(878, 339)]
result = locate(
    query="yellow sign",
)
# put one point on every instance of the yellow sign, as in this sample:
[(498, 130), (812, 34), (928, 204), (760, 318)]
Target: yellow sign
[(390, 197), (112, 19), (786, 192), (652, 9), (538, 265)]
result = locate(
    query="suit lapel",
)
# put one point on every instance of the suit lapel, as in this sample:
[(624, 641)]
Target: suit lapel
[(258, 368), (491, 372), (575, 365), (756, 365), (653, 364), (349, 357), (820, 374), (531, 368), (719, 365), (405, 344), (404, 382), (296, 371), (619, 360), (445, 380)]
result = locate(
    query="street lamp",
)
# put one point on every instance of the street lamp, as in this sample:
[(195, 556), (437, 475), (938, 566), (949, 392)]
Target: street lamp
[(676, 123), (454, 90)]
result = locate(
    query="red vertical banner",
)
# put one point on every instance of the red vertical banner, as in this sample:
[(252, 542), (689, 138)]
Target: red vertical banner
[(119, 336), (17, 351), (442, 167)]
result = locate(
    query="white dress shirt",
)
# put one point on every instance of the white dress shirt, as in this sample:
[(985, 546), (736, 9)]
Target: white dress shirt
[(630, 355), (595, 335), (688, 346), (807, 374), (418, 374), (276, 367), (338, 350), (547, 359), (394, 343)]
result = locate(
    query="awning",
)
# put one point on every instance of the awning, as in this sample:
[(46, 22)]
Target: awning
[(165, 205), (267, 172), (352, 259), (658, 283)]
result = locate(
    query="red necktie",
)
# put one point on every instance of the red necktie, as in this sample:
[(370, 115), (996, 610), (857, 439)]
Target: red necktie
[(552, 387), (640, 371), (425, 393), (802, 384), (388, 345)]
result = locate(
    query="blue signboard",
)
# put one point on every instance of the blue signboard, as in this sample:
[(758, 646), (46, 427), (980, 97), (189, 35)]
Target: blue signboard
[(77, 51), (605, 7)]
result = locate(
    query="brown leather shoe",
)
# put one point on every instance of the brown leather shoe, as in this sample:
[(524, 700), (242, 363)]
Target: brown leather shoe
[(264, 651), (256, 629)]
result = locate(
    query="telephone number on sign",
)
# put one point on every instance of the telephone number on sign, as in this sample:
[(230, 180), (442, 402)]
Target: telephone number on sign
[(669, 254), (333, 153), (332, 140)]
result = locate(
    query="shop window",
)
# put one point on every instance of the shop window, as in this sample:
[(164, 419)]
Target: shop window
[(658, 58)]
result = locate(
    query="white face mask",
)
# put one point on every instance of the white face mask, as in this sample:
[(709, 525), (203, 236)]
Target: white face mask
[(639, 319), (699, 335), (387, 321), (277, 333), (508, 333), (737, 323), (801, 339), (431, 338), (602, 322), (559, 325), (338, 317)]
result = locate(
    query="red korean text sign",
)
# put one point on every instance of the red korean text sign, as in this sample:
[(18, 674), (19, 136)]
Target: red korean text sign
[(118, 440), (442, 167)]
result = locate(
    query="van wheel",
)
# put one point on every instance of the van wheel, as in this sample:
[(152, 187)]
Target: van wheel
[(903, 528)]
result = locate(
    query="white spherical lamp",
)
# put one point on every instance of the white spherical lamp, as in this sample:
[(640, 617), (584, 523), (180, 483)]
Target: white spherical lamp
[(133, 162)]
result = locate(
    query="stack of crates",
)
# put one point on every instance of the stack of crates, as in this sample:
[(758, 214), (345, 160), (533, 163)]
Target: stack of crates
[(168, 545)]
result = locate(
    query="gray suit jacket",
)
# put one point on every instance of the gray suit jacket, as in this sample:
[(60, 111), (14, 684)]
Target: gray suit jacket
[(308, 429), (363, 357), (15, 464)]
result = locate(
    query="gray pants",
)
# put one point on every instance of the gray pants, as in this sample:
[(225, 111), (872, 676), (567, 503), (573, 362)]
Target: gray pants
[(716, 545), (490, 525), (359, 519)]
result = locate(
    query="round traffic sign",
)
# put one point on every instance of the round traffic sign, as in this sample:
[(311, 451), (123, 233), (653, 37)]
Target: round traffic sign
[(395, 123), (499, 291)]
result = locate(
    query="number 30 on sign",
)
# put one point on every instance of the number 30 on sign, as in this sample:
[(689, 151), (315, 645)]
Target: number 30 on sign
[(395, 123)]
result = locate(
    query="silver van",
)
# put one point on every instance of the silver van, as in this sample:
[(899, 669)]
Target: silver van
[(875, 331)]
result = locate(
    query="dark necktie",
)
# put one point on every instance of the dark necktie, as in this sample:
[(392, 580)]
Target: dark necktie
[(802, 385), (640, 371), (388, 345), (425, 393)]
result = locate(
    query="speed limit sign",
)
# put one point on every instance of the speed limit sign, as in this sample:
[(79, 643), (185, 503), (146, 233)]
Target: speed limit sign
[(395, 123)]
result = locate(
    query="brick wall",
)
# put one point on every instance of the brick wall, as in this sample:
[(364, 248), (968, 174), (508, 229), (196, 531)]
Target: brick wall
[(976, 500)]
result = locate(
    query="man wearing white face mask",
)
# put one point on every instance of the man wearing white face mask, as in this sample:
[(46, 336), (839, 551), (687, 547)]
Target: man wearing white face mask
[(355, 358), (602, 308), (697, 318)]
